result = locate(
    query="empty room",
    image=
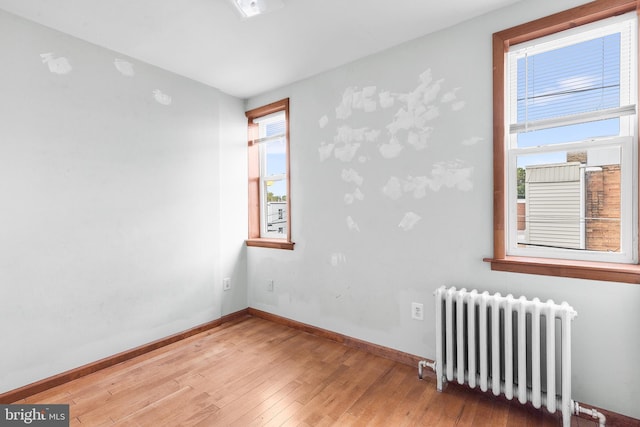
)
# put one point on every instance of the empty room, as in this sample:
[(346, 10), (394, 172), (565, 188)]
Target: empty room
[(296, 212)]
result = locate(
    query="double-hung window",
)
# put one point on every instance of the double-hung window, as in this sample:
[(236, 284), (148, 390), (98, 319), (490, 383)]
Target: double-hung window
[(269, 201), (566, 145)]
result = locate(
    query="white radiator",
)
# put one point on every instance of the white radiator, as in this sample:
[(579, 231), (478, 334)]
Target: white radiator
[(517, 347)]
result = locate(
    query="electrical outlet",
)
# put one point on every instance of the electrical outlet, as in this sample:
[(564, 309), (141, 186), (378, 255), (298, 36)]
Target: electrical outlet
[(417, 311), (226, 284), (269, 285)]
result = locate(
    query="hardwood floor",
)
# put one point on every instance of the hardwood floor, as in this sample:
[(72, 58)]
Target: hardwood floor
[(254, 372)]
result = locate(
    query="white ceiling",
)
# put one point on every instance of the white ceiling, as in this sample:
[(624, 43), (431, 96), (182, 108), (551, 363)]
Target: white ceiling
[(207, 41)]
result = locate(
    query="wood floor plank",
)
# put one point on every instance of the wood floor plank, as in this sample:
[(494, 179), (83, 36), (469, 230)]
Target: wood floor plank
[(256, 372)]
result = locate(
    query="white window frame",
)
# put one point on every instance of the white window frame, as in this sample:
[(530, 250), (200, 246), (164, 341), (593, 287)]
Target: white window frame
[(625, 141)]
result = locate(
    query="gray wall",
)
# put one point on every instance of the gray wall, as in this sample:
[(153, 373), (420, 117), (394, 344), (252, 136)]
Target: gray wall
[(380, 223), (113, 206)]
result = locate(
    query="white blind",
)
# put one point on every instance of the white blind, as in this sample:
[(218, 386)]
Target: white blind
[(573, 78), (271, 127)]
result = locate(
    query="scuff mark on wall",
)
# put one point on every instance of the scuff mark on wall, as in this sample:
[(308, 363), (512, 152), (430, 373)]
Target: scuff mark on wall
[(59, 65), (125, 68)]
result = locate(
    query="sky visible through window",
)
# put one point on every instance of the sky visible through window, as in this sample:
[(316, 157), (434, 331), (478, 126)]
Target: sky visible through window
[(574, 79), (276, 157)]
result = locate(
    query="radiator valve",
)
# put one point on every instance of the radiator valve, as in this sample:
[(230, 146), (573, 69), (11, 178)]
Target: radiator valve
[(425, 364), (577, 409)]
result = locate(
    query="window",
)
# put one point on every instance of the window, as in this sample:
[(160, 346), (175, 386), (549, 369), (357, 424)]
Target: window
[(269, 201), (565, 145)]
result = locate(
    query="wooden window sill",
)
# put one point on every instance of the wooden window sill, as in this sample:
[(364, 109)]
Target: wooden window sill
[(270, 243), (606, 271)]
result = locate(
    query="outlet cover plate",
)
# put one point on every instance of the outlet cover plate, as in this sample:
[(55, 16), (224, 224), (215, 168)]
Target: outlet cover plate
[(417, 311)]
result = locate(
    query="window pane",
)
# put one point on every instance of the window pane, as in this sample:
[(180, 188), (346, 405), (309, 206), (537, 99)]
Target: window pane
[(569, 200), (574, 79), (276, 207), (276, 157), (275, 127)]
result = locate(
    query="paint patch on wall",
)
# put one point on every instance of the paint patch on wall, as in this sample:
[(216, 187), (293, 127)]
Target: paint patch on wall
[(347, 134), (125, 68), (450, 96), (419, 140), (351, 224), (369, 103), (396, 187), (325, 151), (371, 135), (401, 123), (161, 97), (350, 175), (349, 198), (343, 110), (417, 186), (346, 152), (472, 141), (457, 106), (391, 149), (57, 65), (337, 259), (386, 100), (393, 188), (453, 174), (409, 220)]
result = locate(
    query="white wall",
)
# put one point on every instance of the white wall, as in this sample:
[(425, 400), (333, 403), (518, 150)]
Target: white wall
[(423, 218), (233, 202), (111, 221)]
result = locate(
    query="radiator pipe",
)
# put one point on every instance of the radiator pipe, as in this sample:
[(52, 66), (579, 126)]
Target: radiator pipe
[(577, 409), (425, 364)]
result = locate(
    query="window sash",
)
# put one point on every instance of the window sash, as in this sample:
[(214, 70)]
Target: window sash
[(589, 116), (264, 207), (628, 252), (624, 24)]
